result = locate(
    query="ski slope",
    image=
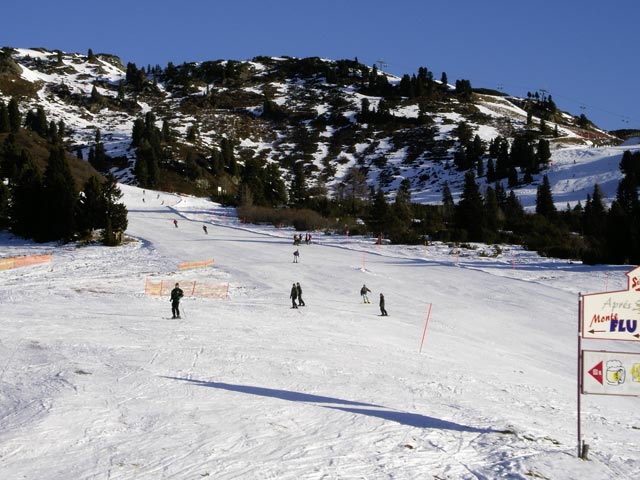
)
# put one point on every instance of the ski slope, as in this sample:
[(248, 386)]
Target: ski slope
[(97, 382)]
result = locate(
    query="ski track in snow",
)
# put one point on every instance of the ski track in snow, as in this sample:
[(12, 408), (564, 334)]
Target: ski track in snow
[(96, 382)]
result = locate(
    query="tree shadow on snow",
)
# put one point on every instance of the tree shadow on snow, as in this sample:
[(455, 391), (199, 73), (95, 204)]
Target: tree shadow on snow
[(378, 411)]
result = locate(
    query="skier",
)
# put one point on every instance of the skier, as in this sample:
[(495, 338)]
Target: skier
[(175, 222), (294, 295), (204, 227), (176, 295), (363, 291), (296, 254), (299, 290), (383, 312)]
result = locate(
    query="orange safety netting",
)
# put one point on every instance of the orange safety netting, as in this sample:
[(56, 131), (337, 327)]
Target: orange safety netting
[(200, 264), (163, 288), (15, 262)]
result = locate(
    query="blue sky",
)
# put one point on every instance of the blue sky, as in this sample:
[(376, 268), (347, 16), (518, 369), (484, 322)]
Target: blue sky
[(584, 53)]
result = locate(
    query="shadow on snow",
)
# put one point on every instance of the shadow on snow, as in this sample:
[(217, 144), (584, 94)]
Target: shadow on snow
[(404, 418)]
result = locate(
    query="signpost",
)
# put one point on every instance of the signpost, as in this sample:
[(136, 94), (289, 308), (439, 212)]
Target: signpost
[(610, 373), (613, 315), (609, 316)]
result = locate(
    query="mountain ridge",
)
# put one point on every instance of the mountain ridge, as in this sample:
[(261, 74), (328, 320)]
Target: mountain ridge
[(279, 110)]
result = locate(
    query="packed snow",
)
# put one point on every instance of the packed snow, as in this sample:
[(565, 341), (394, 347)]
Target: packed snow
[(473, 375)]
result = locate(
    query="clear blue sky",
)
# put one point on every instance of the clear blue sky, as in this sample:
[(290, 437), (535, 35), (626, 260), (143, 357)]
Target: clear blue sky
[(584, 53)]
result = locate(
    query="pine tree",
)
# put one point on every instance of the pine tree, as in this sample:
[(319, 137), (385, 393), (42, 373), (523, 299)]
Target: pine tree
[(594, 218), (275, 190), (60, 198), (356, 188), (448, 205), (492, 211), (5, 125), (544, 200), (299, 192), (402, 204), (91, 209), (26, 209), (514, 213), (630, 163), (379, 213), (4, 206), (470, 211), (116, 213), (544, 151), (15, 118)]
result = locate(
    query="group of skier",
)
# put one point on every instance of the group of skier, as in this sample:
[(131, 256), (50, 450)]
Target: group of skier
[(296, 294), (298, 238), (365, 299), (296, 289)]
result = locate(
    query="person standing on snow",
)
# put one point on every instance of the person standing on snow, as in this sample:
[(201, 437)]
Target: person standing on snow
[(176, 295), (294, 295), (383, 312), (204, 227), (175, 222), (299, 290), (363, 291), (296, 254)]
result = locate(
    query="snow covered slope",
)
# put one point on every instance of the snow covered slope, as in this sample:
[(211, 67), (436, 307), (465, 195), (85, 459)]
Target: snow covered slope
[(97, 382)]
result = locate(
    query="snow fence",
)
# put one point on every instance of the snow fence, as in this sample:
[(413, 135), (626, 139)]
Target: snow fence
[(162, 288), (200, 264), (17, 262)]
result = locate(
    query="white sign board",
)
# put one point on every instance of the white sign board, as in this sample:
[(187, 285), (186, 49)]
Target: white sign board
[(613, 315), (610, 373)]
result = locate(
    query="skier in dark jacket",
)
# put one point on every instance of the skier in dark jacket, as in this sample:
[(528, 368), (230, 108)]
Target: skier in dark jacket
[(383, 312), (176, 295), (363, 291), (294, 295), (299, 290)]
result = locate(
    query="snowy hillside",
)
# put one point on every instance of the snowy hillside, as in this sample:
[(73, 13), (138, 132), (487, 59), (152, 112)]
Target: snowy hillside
[(96, 381), (63, 84)]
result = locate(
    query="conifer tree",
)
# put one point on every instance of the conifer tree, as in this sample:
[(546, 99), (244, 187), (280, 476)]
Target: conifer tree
[(60, 198), (15, 118), (470, 211), (544, 151), (4, 206), (630, 163), (5, 125), (492, 211), (26, 209), (379, 213), (544, 200), (623, 223), (275, 191), (299, 192), (594, 218), (448, 205), (402, 204), (514, 212), (116, 212), (91, 208)]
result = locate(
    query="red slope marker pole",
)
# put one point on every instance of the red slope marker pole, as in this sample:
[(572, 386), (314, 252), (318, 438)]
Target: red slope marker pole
[(425, 326)]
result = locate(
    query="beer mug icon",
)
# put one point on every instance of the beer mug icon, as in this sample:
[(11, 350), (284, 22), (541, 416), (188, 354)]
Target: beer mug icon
[(615, 372)]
